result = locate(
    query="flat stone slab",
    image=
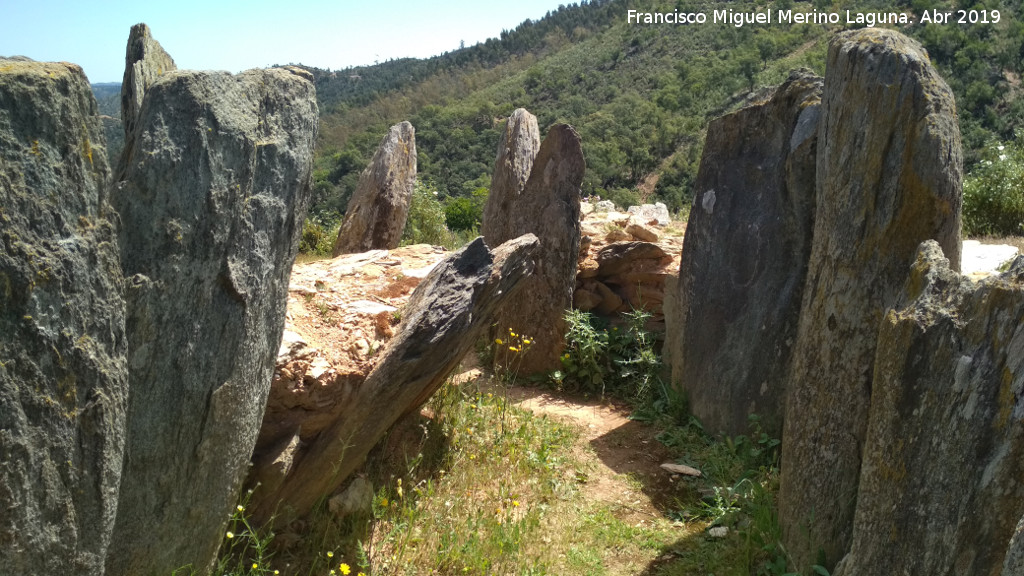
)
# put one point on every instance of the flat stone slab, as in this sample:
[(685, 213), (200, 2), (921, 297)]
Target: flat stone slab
[(979, 260)]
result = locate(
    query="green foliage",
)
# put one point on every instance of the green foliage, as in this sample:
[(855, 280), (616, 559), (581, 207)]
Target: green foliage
[(465, 213), (318, 236), (426, 222), (601, 360), (994, 192)]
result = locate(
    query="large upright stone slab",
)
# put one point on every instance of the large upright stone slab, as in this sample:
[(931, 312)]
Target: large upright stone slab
[(548, 207), (379, 207), (145, 62), (744, 261), (942, 485), (63, 380), (517, 150), (889, 177), (211, 208)]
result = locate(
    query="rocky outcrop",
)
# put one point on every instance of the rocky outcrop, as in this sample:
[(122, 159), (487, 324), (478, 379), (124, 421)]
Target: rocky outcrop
[(942, 485), (517, 149), (444, 317), (888, 178), (378, 208), (648, 213), (63, 378), (211, 210), (145, 62), (548, 207), (625, 264), (744, 260)]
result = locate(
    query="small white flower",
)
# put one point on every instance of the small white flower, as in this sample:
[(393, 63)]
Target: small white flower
[(435, 192), (1002, 156), (1000, 147)]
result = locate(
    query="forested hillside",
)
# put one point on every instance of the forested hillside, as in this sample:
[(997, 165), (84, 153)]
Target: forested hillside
[(640, 95)]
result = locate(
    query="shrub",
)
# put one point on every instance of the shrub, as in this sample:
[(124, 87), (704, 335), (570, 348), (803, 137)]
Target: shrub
[(464, 213), (994, 192), (318, 235), (623, 361), (426, 222)]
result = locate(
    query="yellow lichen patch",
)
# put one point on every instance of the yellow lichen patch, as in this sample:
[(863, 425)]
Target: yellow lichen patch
[(35, 148), (1005, 399), (87, 150)]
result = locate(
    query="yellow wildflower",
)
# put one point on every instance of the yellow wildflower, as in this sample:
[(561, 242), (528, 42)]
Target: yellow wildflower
[(330, 554), (240, 507), (498, 341), (515, 503), (230, 535), (255, 566), (526, 340), (344, 568)]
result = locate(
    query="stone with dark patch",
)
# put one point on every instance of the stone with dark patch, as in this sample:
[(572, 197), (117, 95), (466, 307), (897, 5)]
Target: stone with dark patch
[(744, 260)]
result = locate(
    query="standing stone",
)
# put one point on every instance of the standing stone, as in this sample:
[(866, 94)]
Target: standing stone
[(378, 209), (888, 178), (549, 207), (516, 152), (145, 62), (211, 209), (942, 485), (63, 378), (744, 260)]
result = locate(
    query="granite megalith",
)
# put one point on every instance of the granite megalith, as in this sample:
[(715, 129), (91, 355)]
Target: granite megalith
[(942, 484), (379, 207), (517, 150), (548, 207), (63, 375), (211, 207), (744, 260), (889, 175)]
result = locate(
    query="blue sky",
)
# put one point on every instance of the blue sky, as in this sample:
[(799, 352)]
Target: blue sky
[(236, 35)]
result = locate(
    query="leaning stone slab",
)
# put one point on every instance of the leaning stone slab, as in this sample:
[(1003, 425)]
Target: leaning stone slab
[(442, 320), (379, 207), (744, 260), (211, 209), (888, 178), (63, 377), (942, 484)]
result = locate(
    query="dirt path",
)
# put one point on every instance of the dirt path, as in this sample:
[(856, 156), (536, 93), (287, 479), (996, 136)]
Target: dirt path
[(626, 472)]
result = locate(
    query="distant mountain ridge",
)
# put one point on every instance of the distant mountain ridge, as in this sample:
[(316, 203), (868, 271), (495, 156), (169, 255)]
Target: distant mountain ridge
[(640, 95)]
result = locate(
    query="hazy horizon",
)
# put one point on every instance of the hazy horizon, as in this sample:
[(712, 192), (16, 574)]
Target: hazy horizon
[(236, 36)]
